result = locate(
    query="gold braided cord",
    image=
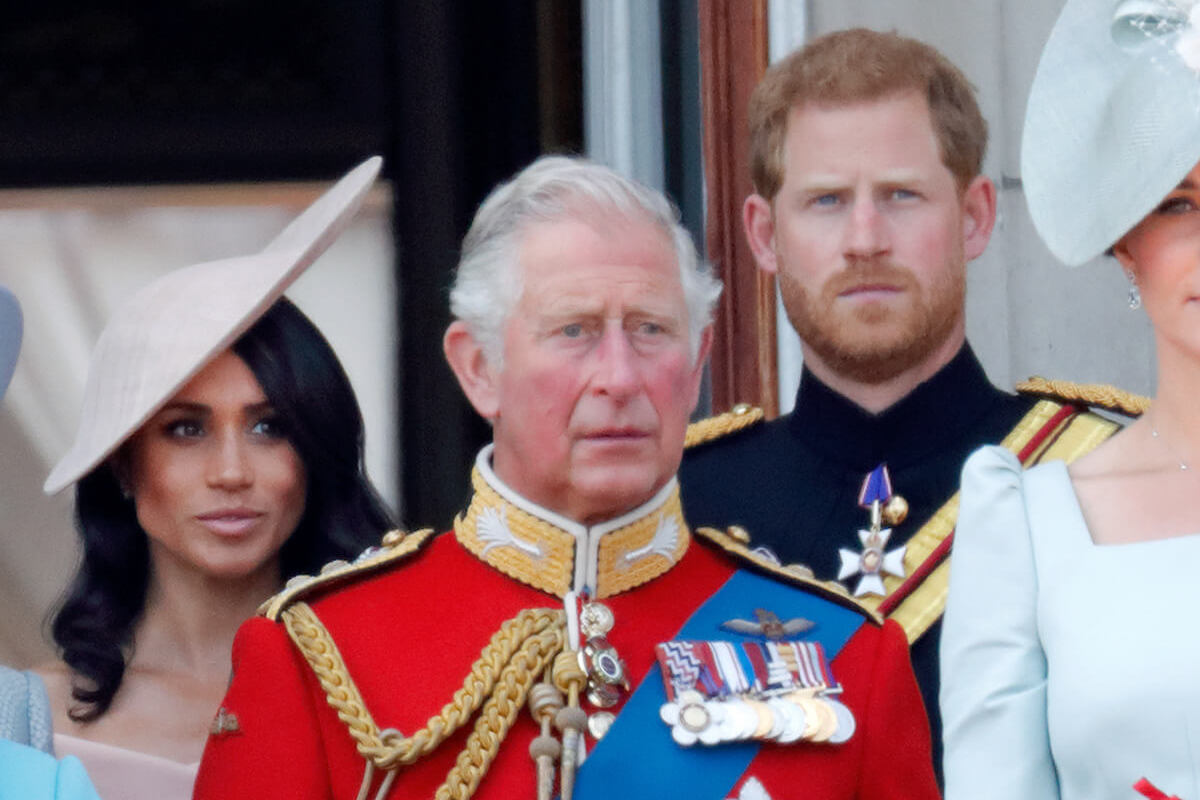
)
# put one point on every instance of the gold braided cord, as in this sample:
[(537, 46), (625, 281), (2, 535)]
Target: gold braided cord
[(505, 702), (1093, 394), (388, 750), (705, 430), (314, 642)]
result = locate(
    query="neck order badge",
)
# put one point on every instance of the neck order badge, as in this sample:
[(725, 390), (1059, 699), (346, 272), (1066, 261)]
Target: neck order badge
[(876, 496)]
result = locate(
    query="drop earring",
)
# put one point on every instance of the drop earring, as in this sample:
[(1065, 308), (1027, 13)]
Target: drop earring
[(1135, 296)]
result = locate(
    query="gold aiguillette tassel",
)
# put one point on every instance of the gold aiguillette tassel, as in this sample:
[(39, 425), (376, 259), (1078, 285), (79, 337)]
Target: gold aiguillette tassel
[(544, 702), (572, 719)]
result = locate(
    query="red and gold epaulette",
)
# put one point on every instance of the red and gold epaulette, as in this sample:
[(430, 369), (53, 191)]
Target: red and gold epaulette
[(736, 541), (738, 418), (395, 546)]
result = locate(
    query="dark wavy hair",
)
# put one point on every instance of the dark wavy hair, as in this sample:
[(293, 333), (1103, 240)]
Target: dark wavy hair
[(343, 513)]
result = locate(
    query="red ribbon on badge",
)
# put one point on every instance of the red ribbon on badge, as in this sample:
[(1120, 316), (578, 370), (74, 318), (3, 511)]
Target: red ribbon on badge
[(1148, 789)]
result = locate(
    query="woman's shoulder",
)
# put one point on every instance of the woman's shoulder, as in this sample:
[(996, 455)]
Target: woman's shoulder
[(998, 491), (989, 472), (995, 467)]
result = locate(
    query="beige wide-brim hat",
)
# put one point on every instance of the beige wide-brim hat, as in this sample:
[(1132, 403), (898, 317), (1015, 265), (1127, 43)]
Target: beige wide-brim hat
[(1113, 121), (10, 336), (161, 337)]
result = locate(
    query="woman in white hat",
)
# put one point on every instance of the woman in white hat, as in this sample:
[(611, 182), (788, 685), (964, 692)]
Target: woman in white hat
[(1069, 650), (218, 454)]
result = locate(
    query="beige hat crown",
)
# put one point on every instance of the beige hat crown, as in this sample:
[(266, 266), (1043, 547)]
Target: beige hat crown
[(162, 336)]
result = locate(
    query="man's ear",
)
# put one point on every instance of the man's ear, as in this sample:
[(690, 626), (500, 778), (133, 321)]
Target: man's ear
[(759, 223), (706, 340), (475, 374), (979, 216)]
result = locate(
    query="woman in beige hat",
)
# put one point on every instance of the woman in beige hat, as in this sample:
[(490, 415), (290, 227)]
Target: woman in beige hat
[(219, 453), (1069, 650)]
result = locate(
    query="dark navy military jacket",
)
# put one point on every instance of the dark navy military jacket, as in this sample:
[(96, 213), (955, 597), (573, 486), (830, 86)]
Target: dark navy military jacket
[(793, 483)]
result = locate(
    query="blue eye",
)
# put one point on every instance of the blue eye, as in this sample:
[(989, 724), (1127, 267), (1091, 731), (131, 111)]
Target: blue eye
[(903, 194), (573, 331), (826, 200), (269, 426)]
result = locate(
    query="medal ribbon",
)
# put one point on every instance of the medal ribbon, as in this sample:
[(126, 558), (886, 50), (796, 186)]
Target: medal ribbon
[(639, 746)]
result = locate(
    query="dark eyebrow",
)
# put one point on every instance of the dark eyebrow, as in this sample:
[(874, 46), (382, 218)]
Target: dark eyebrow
[(191, 408), (1186, 183), (202, 409)]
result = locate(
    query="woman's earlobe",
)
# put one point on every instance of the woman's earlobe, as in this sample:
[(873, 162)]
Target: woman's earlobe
[(1120, 251)]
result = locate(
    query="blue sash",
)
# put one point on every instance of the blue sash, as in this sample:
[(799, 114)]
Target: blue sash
[(639, 748)]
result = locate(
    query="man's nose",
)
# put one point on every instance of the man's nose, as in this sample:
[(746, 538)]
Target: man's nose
[(866, 232), (616, 370)]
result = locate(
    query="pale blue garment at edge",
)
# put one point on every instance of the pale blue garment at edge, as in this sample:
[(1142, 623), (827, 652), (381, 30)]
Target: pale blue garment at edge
[(29, 774), (1069, 670), (25, 709)]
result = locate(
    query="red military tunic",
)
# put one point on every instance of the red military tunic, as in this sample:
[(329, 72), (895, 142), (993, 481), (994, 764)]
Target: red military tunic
[(409, 628)]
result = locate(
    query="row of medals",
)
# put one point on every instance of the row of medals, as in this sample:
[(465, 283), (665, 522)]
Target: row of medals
[(799, 715), (810, 714)]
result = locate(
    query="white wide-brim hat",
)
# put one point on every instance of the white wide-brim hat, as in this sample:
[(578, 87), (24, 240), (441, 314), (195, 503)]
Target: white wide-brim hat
[(1113, 122), (161, 337), (10, 336)]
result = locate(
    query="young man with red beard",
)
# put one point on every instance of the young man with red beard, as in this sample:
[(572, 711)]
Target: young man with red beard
[(866, 152)]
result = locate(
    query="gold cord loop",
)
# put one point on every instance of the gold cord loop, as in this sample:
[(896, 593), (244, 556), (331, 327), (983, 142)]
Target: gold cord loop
[(506, 669)]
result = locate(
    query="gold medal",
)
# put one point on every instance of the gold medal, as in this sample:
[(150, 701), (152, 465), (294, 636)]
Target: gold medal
[(828, 724), (766, 720)]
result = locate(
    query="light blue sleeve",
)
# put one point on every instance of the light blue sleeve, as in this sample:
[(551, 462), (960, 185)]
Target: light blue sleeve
[(29, 774), (993, 669), (73, 783)]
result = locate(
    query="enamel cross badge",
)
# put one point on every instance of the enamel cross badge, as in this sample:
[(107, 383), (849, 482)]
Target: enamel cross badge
[(874, 561)]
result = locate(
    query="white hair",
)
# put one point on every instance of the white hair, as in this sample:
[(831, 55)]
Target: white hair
[(488, 281)]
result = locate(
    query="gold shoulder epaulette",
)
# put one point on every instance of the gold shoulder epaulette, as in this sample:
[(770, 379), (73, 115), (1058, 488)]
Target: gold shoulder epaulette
[(736, 541), (738, 418), (395, 546), (1100, 395)]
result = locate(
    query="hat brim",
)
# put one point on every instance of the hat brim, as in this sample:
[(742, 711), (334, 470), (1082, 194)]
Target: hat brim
[(1112, 125), (166, 333)]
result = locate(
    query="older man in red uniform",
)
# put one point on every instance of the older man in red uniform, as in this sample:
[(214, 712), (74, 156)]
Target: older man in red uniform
[(571, 636)]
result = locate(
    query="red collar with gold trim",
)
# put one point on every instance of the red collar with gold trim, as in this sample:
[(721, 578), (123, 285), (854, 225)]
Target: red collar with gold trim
[(554, 554)]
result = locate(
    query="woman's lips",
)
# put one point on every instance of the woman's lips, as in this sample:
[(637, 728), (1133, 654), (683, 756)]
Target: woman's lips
[(234, 522)]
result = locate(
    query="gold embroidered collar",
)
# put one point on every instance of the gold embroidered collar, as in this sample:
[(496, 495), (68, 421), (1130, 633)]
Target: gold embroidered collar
[(554, 554)]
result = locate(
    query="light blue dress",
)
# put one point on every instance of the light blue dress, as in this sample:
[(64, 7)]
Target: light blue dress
[(1069, 670), (29, 774)]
